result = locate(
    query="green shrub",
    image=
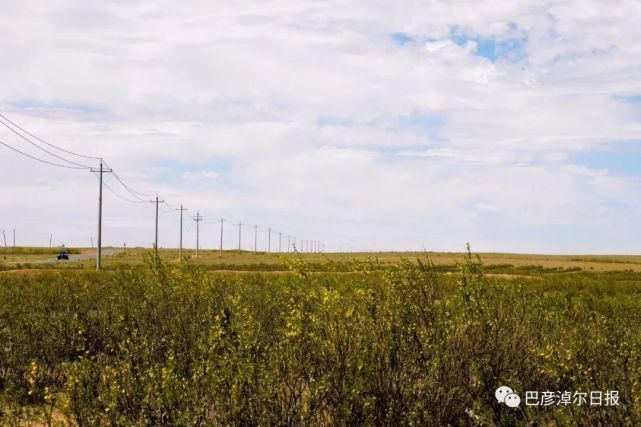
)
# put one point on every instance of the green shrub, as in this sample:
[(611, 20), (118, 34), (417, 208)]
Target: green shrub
[(161, 344)]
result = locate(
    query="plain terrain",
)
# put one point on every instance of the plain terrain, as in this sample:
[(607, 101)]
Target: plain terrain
[(315, 339), (28, 258)]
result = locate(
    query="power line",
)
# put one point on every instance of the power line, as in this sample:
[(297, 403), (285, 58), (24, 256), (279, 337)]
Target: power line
[(47, 143), (40, 160), (119, 195), (307, 245), (131, 191), (43, 149), (168, 208), (135, 193)]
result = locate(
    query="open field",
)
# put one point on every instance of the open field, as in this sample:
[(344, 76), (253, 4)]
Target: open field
[(22, 255), (332, 340), (260, 261)]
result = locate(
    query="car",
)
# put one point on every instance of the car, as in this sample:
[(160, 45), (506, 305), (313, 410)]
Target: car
[(64, 254)]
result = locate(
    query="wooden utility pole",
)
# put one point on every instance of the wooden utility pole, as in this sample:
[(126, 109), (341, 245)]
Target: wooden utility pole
[(197, 218), (221, 236), (180, 247), (157, 201), (100, 171), (255, 238)]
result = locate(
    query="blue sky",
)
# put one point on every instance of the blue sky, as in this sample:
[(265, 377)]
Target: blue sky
[(623, 161), (509, 125), (508, 47)]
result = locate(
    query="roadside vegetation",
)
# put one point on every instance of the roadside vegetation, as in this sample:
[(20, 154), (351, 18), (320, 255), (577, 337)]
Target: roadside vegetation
[(405, 344), (35, 251)]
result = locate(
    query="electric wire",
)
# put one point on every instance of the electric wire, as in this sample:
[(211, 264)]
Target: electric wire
[(38, 159), (116, 193), (121, 196), (45, 142), (130, 190), (43, 149), (133, 192), (166, 208), (125, 186)]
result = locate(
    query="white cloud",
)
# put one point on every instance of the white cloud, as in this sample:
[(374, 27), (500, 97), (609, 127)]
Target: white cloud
[(308, 117), (200, 176)]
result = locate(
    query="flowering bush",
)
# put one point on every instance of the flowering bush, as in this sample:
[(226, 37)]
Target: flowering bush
[(164, 344)]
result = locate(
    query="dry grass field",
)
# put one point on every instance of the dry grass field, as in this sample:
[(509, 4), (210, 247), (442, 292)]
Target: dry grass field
[(310, 339), (21, 258)]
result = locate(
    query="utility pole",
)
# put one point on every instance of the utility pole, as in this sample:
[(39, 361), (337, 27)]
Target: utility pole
[(289, 243), (255, 238), (4, 236), (221, 236), (50, 238), (240, 230), (197, 218), (156, 234), (100, 171), (280, 241), (269, 240), (180, 239), (294, 247), (14, 238)]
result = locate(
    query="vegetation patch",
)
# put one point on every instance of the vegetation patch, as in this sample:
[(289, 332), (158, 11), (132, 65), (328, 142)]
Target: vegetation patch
[(177, 344)]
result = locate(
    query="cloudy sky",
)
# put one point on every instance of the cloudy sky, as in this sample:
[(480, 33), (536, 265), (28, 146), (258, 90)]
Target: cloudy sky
[(514, 126)]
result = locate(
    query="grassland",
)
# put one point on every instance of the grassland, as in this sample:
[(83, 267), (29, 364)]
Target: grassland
[(12, 257), (374, 339), (499, 263)]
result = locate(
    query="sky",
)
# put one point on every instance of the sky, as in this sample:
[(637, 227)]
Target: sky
[(514, 126)]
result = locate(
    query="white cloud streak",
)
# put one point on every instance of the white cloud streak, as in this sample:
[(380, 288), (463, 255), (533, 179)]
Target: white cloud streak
[(308, 117)]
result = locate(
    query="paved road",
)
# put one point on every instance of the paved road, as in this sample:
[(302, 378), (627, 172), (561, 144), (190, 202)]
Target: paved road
[(82, 257)]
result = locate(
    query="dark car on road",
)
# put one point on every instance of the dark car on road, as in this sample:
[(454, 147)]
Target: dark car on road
[(64, 254)]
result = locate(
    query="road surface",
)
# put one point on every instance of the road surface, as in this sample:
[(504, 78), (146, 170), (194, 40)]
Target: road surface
[(81, 257)]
